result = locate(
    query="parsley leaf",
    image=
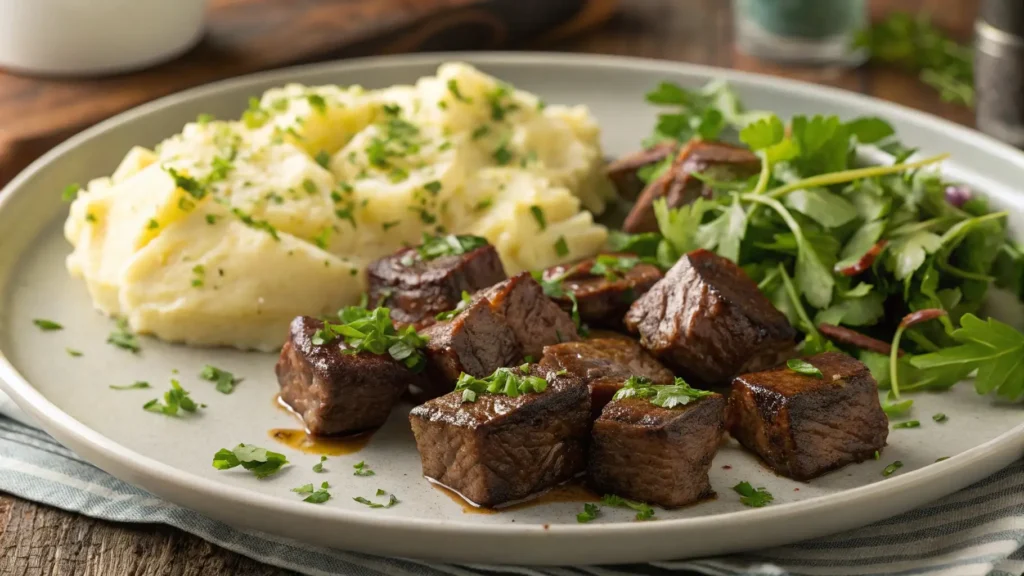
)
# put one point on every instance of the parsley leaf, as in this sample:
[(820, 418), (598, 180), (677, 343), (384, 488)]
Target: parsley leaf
[(467, 299), (613, 267), (664, 395), (174, 399), (73, 353), (940, 417), (392, 500), (260, 461), (225, 380), (323, 159), (891, 468), (561, 247), (134, 386), (803, 367), (47, 325), (511, 382), (318, 497), (643, 511), (70, 192), (590, 512), (319, 466), (907, 424), (372, 331), (753, 497), (362, 469), (433, 247), (538, 215)]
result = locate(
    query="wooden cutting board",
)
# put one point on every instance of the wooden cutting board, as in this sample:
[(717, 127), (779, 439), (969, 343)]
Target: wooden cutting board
[(245, 36)]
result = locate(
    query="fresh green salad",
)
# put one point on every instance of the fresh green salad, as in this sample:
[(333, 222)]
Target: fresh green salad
[(890, 250)]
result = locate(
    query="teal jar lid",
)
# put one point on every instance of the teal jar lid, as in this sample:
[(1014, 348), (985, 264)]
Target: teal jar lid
[(805, 18)]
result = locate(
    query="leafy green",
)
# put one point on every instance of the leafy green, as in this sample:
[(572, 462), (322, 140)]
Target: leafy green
[(753, 497), (907, 424), (590, 512), (644, 245), (372, 331), (511, 382), (123, 338), (260, 461), (665, 395), (892, 468), (994, 349), (464, 303), (434, 247), (174, 399), (319, 466), (47, 325), (803, 367), (362, 469), (643, 511), (392, 500), (133, 386), (225, 380)]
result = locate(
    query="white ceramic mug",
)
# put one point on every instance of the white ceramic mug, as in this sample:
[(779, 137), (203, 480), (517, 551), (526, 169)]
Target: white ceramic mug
[(94, 37)]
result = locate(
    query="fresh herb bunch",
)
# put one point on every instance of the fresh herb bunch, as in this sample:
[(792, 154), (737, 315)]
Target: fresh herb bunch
[(511, 382), (365, 330), (914, 43), (831, 240), (664, 395)]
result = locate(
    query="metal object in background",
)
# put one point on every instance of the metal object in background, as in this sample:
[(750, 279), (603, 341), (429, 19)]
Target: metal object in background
[(800, 31), (999, 70)]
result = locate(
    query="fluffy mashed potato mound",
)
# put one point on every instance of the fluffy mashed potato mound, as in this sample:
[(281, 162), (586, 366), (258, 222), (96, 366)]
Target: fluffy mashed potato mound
[(226, 231)]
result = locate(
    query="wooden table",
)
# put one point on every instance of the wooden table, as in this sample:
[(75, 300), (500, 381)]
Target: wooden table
[(36, 540)]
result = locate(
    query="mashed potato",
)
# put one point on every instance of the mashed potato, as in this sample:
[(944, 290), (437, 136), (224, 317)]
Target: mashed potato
[(229, 229)]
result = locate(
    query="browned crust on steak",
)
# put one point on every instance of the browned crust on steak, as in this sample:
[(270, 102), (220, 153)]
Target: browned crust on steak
[(499, 449), (656, 455), (708, 321), (623, 171), (804, 426), (337, 393), (603, 302)]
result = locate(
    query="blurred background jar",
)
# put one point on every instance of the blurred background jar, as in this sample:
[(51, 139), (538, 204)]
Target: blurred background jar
[(817, 32), (999, 70)]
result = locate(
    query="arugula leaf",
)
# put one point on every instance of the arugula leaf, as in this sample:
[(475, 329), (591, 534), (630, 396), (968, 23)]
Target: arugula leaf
[(860, 310), (753, 497), (260, 461)]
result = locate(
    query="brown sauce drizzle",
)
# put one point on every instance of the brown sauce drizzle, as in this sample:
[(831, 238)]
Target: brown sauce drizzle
[(572, 491), (326, 445)]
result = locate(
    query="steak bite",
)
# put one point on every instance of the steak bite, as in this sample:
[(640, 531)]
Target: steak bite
[(604, 363), (419, 283), (603, 287), (678, 186), (708, 321), (493, 448), (336, 392), (654, 453), (623, 171), (804, 426), (500, 327)]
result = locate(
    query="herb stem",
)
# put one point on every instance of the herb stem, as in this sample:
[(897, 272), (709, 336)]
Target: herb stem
[(845, 176), (795, 299), (894, 358)]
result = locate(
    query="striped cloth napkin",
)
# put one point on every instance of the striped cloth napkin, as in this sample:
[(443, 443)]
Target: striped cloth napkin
[(976, 532)]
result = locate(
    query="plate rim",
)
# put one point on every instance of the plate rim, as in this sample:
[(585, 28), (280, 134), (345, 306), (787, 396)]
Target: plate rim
[(62, 425)]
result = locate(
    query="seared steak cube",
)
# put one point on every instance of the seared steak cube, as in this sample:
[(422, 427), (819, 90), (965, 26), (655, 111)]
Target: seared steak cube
[(656, 455), (604, 363), (708, 321), (417, 287), (335, 392), (804, 426), (604, 287), (623, 171), (678, 186), (500, 327), (496, 448)]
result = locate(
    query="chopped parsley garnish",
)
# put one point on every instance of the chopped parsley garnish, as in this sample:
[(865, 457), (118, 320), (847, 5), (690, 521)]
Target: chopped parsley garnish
[(254, 223), (260, 461), (317, 102), (643, 511), (940, 417), (590, 512), (480, 131), (502, 155), (483, 205), (47, 325), (538, 215), (392, 500), (753, 497), (190, 185), (73, 353), (664, 395), (255, 116), (174, 399), (204, 119), (319, 467), (467, 298), (211, 219), (198, 276), (371, 331), (389, 225), (937, 460), (304, 489), (448, 245), (134, 386), (453, 87), (323, 238), (123, 338), (561, 248), (309, 186), (907, 424), (553, 289), (613, 267), (323, 158), (70, 192), (497, 100), (152, 224), (897, 408), (225, 380), (891, 468), (315, 496), (511, 382), (399, 140), (362, 469), (433, 186), (803, 367)]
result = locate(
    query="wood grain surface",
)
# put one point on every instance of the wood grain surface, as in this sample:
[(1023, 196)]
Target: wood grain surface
[(38, 540)]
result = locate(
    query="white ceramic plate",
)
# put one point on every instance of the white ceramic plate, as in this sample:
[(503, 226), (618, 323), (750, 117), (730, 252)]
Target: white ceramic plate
[(171, 456)]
